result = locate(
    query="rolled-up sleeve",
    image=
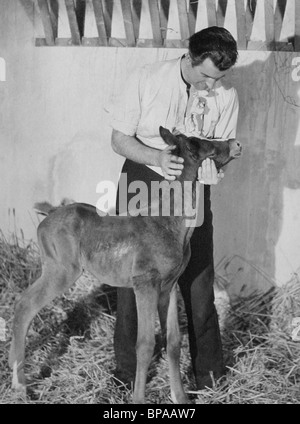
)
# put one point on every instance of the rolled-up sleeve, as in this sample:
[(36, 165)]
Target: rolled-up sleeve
[(226, 126), (126, 111)]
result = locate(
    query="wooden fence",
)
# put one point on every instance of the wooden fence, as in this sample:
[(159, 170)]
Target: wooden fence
[(81, 15)]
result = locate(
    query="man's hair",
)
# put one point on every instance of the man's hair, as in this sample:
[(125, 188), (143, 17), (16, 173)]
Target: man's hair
[(216, 44)]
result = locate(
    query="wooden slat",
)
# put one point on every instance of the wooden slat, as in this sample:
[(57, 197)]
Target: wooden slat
[(118, 42), (74, 28), (155, 22), (278, 18), (101, 28), (136, 16), (107, 11), (47, 22), (174, 44), (93, 42), (192, 16), (221, 12), (262, 45), (211, 12), (159, 13), (250, 13), (297, 26), (145, 43), (241, 25), (54, 11), (269, 22), (128, 22), (183, 22), (164, 16), (90, 42)]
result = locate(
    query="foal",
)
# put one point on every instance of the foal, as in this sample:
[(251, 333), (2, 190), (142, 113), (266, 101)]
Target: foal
[(148, 253)]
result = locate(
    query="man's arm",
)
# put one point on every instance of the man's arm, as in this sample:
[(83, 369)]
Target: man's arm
[(129, 147)]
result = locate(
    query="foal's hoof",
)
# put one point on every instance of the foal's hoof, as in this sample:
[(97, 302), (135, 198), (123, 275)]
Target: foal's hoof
[(19, 389), (179, 398), (18, 386)]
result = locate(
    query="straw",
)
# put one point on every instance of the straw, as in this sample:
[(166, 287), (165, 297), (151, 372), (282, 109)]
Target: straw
[(70, 354)]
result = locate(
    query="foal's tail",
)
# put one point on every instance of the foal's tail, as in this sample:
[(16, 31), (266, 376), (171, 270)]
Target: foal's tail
[(45, 208)]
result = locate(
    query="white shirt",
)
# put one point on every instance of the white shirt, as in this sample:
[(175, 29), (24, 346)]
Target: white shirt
[(157, 95)]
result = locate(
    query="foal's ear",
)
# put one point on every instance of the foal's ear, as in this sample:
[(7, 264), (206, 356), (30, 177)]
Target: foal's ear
[(168, 137)]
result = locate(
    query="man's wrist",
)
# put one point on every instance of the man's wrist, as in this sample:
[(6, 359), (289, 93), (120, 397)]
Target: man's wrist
[(156, 157)]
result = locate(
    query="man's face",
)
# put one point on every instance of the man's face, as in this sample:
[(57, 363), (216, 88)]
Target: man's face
[(203, 76)]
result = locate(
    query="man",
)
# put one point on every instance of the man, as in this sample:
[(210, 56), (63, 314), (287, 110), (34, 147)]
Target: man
[(185, 95)]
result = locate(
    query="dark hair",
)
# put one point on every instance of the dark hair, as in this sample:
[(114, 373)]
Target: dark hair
[(215, 43)]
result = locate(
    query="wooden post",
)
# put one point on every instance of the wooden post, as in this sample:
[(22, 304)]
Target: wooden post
[(297, 26), (128, 23), (269, 24), (99, 17), (155, 22), (250, 12), (221, 12), (164, 16), (183, 22), (54, 11), (192, 16), (107, 12), (241, 25), (136, 16), (72, 17), (47, 22), (211, 12)]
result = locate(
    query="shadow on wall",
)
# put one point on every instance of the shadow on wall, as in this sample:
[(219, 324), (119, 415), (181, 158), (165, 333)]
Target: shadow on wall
[(248, 206)]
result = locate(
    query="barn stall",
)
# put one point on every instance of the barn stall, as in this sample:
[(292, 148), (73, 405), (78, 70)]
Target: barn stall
[(62, 64)]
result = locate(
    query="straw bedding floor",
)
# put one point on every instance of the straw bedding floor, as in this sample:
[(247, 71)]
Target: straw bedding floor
[(70, 357)]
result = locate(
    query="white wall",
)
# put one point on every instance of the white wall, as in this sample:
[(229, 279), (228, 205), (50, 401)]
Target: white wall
[(55, 143)]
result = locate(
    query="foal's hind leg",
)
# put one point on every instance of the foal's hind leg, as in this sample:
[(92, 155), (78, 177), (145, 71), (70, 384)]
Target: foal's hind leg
[(146, 293), (55, 279), (173, 349)]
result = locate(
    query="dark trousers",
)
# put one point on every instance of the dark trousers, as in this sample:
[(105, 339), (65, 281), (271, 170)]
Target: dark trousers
[(196, 285)]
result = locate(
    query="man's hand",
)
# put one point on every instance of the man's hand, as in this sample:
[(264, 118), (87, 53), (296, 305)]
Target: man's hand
[(171, 165), (208, 174)]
